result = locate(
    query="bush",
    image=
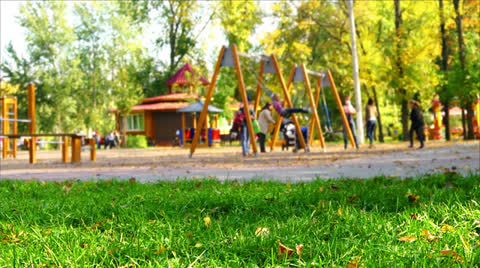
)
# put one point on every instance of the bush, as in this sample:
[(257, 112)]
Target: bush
[(137, 141), (333, 136)]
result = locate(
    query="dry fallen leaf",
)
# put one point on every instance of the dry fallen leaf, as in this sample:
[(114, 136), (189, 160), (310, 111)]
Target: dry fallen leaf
[(352, 264), (207, 221), (407, 238), (162, 249), (132, 180), (413, 216), (428, 235), (299, 249), (288, 184), (452, 253), (284, 250), (261, 231), (339, 212)]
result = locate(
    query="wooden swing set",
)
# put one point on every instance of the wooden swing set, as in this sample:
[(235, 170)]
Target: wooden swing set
[(9, 120), (229, 57)]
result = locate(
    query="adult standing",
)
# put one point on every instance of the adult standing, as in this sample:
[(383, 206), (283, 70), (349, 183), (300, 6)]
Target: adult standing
[(264, 120), (349, 112), (244, 136), (417, 123), (371, 114)]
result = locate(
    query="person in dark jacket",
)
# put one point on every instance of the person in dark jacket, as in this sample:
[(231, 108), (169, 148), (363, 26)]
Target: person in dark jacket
[(417, 124)]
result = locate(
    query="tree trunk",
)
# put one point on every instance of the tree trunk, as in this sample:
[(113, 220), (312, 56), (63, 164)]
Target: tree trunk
[(399, 65), (123, 130), (471, 134), (461, 52), (444, 68)]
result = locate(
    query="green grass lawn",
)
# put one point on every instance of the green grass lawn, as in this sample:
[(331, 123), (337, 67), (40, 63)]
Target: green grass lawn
[(210, 223)]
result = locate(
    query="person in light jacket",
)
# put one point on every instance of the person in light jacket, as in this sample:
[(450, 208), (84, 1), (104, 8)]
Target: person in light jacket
[(264, 120), (371, 115)]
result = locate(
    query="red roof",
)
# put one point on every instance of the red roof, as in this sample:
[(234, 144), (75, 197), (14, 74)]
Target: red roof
[(179, 76), (162, 106), (170, 97)]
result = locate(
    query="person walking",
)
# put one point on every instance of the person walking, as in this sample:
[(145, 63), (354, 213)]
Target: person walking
[(349, 112), (264, 120), (417, 124), (371, 114)]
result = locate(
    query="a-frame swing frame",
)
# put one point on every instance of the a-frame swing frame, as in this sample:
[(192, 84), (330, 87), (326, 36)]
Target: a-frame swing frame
[(228, 57), (314, 103), (274, 68), (299, 73)]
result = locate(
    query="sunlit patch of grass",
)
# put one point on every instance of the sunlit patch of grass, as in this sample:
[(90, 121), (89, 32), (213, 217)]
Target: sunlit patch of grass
[(207, 222)]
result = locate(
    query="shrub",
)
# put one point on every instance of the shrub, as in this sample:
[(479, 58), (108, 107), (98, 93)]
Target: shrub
[(137, 141)]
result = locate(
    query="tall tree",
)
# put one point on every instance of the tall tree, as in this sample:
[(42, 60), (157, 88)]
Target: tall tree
[(461, 53), (399, 39), (444, 68)]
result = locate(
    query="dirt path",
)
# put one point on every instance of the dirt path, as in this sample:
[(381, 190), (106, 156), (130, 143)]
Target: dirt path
[(227, 163)]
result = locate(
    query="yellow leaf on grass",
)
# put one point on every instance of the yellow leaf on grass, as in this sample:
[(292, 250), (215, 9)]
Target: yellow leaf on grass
[(288, 185), (428, 235), (207, 221), (413, 197), (407, 238), (162, 249), (446, 228), (261, 231), (198, 245), (339, 212), (352, 264)]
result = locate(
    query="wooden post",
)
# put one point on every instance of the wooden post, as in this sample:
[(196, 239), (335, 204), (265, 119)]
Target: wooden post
[(318, 89), (316, 120), (278, 124), (15, 126), (203, 114), (183, 129), (258, 92), (93, 150), (31, 108), (33, 150), (4, 114), (205, 126), (289, 102), (194, 119), (76, 148), (243, 93), (216, 121), (65, 150), (342, 111)]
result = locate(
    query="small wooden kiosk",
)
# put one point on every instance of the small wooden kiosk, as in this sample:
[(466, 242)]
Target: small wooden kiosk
[(194, 108)]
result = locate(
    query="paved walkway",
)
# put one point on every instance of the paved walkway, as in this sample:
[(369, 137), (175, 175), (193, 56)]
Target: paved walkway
[(223, 164)]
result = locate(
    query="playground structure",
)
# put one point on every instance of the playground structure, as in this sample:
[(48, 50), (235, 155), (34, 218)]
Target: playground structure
[(229, 57), (300, 73), (9, 120), (455, 112)]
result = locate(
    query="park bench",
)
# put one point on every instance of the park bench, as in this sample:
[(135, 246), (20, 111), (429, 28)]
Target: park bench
[(76, 141)]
